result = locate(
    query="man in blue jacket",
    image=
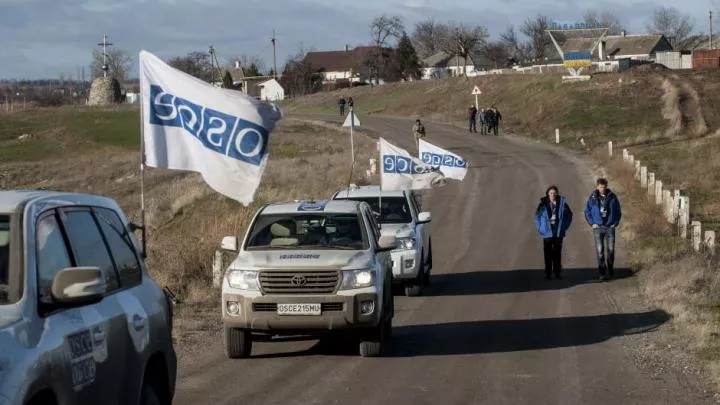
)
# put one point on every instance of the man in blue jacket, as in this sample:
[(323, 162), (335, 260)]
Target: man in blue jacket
[(552, 219), (603, 213)]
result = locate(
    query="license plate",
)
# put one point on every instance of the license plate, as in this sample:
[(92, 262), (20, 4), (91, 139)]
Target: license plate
[(299, 309)]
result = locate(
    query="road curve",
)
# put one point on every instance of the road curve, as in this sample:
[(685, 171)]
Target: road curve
[(491, 329)]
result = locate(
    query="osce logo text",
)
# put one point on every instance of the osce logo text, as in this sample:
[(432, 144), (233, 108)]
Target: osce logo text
[(223, 133), (404, 165), (436, 159)]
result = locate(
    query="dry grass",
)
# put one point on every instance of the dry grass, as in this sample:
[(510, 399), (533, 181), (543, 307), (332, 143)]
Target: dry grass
[(671, 275), (671, 107), (186, 219)]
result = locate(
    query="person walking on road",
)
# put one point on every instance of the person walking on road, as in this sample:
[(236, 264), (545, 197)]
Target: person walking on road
[(483, 124), (341, 104), (472, 117), (418, 132), (552, 220), (496, 122), (603, 213), (350, 103)]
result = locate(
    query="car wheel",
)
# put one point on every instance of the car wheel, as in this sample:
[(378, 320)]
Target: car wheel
[(149, 396), (374, 345), (238, 343)]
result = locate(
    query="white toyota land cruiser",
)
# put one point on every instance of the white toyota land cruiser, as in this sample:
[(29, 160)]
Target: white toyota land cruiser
[(309, 268), (401, 217)]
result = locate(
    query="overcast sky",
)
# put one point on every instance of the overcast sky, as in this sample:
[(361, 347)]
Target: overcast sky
[(44, 38)]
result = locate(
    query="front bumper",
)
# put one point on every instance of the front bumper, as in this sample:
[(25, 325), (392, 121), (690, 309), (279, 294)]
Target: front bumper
[(259, 313), (407, 264)]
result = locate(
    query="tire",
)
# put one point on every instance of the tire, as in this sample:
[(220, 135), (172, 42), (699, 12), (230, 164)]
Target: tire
[(148, 395), (374, 345), (426, 276), (238, 343)]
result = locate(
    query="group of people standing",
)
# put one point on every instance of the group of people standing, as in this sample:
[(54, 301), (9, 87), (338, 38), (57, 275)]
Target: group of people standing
[(489, 119), (342, 103), (554, 216)]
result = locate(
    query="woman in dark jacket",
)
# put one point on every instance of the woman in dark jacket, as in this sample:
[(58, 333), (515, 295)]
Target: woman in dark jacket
[(552, 220)]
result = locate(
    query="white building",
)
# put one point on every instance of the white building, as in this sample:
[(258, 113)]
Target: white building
[(271, 90)]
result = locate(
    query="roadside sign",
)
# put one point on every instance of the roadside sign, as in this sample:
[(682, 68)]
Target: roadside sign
[(351, 120), (476, 91)]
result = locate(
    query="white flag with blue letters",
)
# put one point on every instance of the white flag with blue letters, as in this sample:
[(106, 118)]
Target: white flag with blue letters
[(189, 124), (402, 171), (452, 165)]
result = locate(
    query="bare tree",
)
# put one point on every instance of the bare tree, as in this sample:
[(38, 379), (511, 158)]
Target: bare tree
[(382, 29), (196, 63), (534, 28), (497, 53), (462, 40), (515, 47), (605, 19), (119, 63), (426, 38), (670, 22)]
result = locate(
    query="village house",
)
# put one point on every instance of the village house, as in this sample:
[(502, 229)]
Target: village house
[(347, 65), (443, 64)]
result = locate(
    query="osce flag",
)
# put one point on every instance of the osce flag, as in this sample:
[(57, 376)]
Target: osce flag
[(189, 124), (402, 171), (452, 165)]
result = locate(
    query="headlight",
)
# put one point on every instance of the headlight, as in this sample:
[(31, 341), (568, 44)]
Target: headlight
[(243, 279), (352, 279), (405, 243)]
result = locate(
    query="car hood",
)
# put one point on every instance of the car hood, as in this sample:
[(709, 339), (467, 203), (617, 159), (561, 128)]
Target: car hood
[(293, 259), (397, 230)]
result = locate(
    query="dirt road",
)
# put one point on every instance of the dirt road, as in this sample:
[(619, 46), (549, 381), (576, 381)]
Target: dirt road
[(491, 329)]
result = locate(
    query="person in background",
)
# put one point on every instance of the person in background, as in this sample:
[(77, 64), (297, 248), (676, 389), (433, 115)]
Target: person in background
[(341, 104), (496, 122), (418, 132), (483, 124), (472, 117), (350, 103), (552, 220), (490, 120), (603, 213)]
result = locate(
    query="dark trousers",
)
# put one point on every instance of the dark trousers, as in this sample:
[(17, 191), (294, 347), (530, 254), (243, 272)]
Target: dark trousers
[(605, 241), (342, 110), (553, 256), (473, 127)]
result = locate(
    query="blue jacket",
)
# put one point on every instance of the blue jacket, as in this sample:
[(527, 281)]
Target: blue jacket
[(592, 209), (542, 218)]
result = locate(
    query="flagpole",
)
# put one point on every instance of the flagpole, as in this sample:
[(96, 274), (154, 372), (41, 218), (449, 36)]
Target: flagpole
[(142, 177), (382, 168)]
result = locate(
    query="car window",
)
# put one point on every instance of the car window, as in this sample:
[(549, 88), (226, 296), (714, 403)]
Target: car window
[(121, 247), (316, 231), (52, 255), (4, 259), (87, 244), (395, 210)]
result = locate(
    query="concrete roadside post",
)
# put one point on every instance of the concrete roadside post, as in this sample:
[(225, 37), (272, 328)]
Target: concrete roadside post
[(651, 184), (557, 135), (610, 150), (658, 192), (637, 170), (217, 268), (709, 241), (643, 177), (626, 155), (684, 218), (696, 235), (676, 206), (668, 205), (631, 159)]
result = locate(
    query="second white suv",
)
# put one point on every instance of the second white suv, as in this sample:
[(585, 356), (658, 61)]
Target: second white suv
[(400, 216)]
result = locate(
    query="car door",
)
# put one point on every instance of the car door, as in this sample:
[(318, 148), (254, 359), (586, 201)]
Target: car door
[(71, 350), (108, 332), (139, 302), (374, 232)]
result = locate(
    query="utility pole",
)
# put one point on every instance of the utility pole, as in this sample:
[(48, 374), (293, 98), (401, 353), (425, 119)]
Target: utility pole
[(711, 41), (105, 44), (274, 57)]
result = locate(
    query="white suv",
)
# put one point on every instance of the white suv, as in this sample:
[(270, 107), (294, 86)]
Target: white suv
[(309, 268), (81, 321), (401, 217)]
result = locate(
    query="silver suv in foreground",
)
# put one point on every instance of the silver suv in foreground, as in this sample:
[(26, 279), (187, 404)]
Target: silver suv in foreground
[(81, 321), (309, 268)]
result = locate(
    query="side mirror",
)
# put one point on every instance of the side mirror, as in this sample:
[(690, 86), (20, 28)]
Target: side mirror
[(424, 217), (229, 243), (386, 243), (78, 286)]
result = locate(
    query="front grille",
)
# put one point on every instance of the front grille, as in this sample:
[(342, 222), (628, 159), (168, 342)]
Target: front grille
[(272, 307), (299, 282)]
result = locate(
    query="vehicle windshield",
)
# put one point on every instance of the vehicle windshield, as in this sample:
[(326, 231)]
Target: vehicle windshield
[(395, 210), (4, 259), (307, 232)]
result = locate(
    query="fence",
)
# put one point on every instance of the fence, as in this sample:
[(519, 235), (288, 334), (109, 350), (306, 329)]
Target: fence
[(676, 207)]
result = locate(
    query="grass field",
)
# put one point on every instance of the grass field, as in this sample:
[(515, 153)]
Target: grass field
[(96, 150)]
